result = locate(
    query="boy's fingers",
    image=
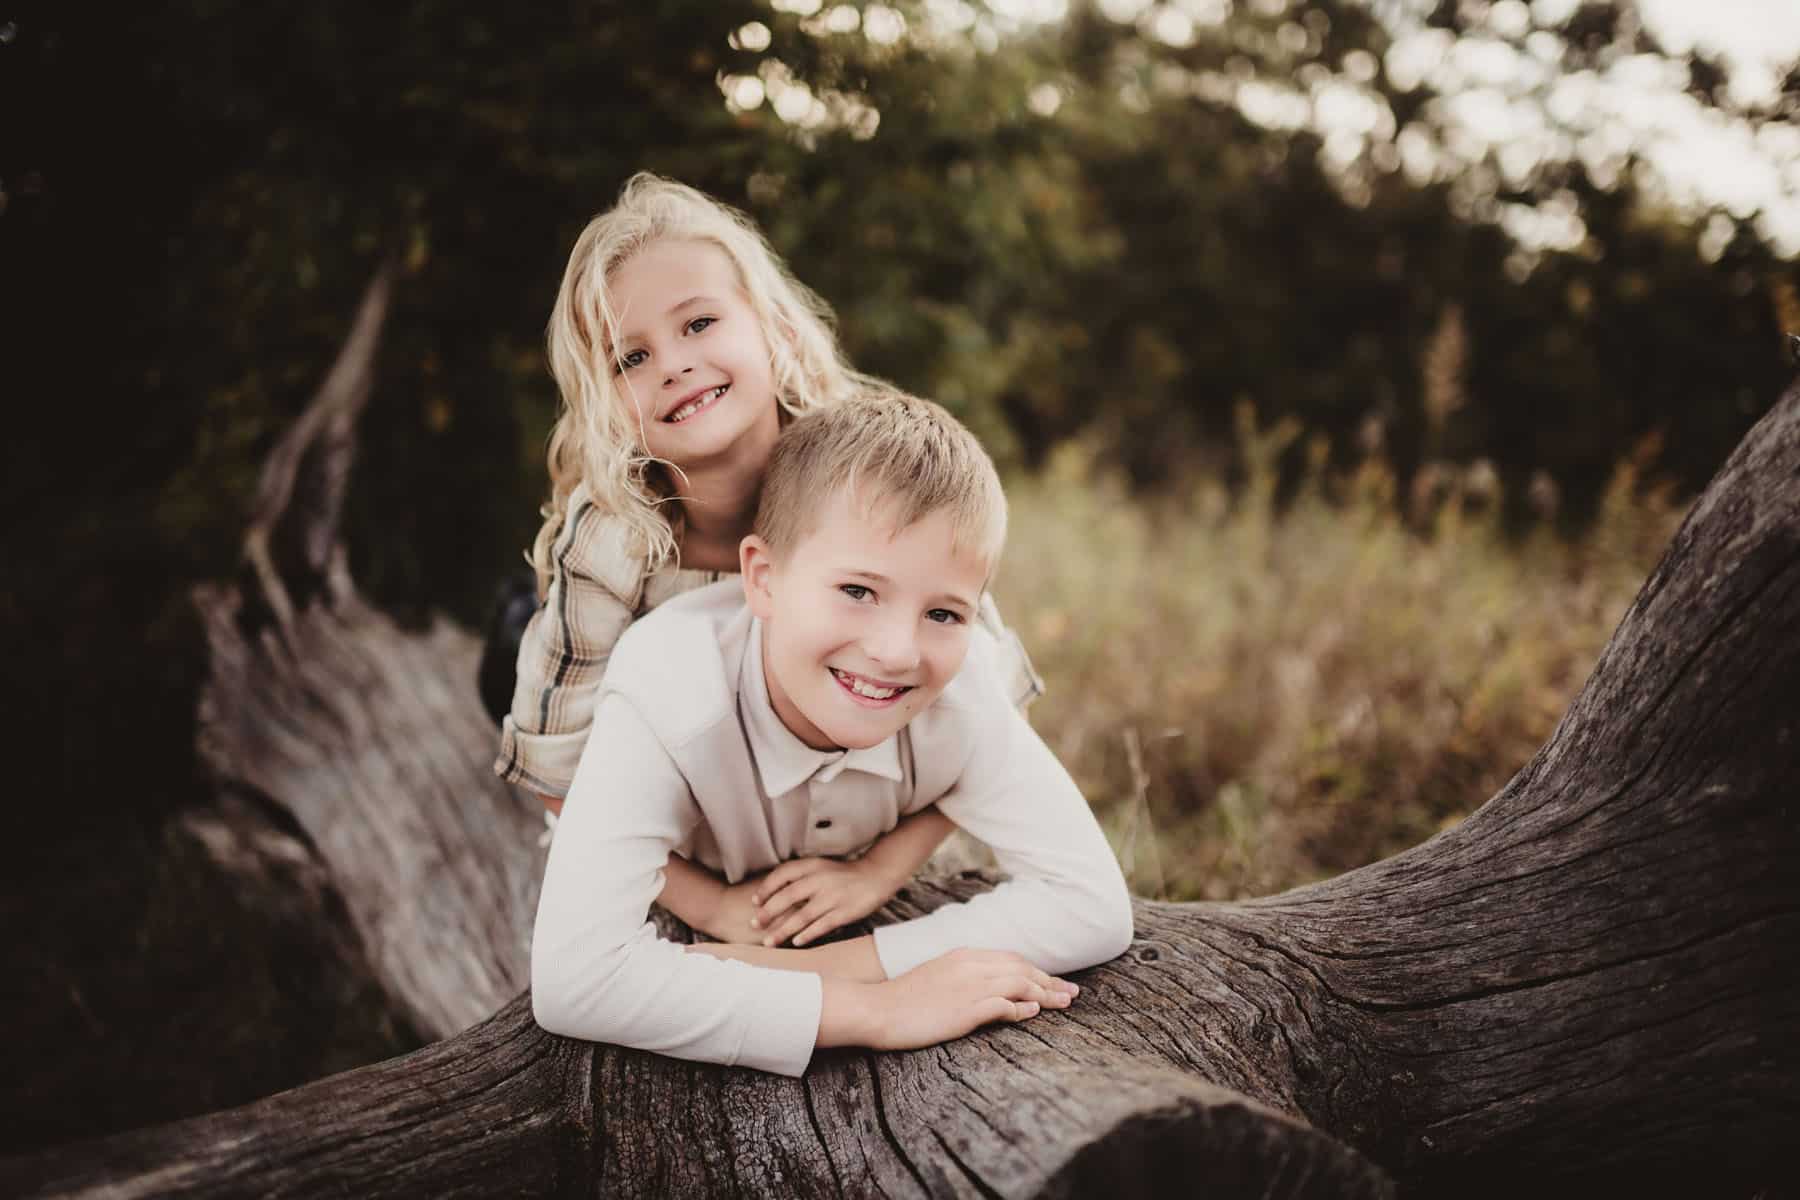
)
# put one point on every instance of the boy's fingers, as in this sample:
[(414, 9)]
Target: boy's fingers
[(1024, 1009), (783, 874), (798, 919), (780, 901), (768, 885), (779, 930), (800, 884), (995, 1008), (1024, 987), (818, 928)]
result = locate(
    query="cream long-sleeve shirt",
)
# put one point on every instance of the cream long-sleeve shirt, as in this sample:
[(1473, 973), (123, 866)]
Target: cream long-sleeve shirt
[(688, 756)]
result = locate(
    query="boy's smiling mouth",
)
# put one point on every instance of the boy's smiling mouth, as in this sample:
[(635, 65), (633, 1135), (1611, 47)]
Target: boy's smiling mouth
[(696, 404), (866, 691)]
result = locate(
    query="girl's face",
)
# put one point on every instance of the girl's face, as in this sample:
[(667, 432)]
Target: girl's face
[(691, 362)]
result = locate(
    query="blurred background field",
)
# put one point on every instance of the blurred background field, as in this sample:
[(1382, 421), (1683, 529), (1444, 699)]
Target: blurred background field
[(1350, 361), (1255, 697)]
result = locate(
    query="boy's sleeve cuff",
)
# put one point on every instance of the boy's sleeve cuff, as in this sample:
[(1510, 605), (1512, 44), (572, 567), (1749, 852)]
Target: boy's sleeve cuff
[(902, 947), (789, 1005)]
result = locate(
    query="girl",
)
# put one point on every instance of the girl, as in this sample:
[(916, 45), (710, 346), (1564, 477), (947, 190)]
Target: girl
[(681, 344)]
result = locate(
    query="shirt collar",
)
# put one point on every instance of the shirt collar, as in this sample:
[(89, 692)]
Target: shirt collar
[(784, 761)]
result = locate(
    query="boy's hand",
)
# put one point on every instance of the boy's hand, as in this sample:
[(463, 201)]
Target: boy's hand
[(806, 898), (733, 917), (955, 994)]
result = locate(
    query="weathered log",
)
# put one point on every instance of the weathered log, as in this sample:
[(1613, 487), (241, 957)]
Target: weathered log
[(1590, 979), (365, 733)]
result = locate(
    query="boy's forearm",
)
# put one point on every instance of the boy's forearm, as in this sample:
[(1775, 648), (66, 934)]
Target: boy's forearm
[(853, 960), (898, 855), (691, 893), (844, 1012)]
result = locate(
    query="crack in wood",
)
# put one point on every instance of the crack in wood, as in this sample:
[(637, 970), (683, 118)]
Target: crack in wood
[(887, 1130)]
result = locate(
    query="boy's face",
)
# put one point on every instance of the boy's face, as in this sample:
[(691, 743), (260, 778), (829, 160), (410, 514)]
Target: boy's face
[(863, 625)]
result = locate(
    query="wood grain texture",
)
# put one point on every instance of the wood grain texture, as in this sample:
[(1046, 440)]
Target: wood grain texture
[(1589, 981)]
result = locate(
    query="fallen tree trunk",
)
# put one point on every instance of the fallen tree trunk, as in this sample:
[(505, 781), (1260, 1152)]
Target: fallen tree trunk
[(1589, 980)]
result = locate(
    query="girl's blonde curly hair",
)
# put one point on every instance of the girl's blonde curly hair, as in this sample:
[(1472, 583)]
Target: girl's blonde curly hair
[(595, 440)]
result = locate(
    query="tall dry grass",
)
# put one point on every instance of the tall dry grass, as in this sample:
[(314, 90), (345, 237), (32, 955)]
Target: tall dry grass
[(1254, 696)]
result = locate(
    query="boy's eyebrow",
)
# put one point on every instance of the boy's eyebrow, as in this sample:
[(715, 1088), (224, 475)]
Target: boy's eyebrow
[(877, 578)]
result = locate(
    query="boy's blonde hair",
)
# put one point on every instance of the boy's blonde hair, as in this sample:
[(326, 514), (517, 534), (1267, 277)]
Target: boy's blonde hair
[(896, 456), (596, 439)]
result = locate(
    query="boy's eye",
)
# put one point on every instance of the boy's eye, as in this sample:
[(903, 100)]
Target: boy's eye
[(630, 359), (699, 324), (855, 591), (944, 616)]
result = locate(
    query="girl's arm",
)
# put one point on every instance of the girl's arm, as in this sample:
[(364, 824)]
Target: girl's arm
[(806, 898), (594, 584)]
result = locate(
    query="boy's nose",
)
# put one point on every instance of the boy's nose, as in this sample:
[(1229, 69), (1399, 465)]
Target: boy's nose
[(894, 650)]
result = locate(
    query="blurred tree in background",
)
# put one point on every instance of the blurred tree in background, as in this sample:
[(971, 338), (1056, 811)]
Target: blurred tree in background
[(1122, 223), (1119, 223)]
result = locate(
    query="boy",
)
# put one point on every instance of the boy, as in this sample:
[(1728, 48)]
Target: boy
[(839, 688)]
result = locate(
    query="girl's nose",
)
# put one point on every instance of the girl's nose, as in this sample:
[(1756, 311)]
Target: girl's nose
[(676, 371)]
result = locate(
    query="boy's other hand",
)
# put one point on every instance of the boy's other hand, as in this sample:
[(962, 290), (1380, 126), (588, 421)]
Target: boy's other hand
[(804, 899), (733, 918), (959, 992)]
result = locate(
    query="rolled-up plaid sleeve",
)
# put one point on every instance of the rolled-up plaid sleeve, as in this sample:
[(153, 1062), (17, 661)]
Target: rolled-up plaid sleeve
[(596, 585)]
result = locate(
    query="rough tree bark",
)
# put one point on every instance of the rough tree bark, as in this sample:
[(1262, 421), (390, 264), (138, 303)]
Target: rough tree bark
[(1589, 980)]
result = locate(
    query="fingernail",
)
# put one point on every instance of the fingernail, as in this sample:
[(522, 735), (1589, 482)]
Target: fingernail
[(755, 924)]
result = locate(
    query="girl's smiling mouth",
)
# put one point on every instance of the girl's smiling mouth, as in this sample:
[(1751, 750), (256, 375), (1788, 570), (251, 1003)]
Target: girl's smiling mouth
[(698, 404), (865, 691)]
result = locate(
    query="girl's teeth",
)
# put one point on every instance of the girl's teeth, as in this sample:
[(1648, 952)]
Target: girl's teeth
[(693, 406)]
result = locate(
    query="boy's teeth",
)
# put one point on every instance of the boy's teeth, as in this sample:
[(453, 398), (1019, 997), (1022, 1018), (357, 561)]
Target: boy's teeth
[(862, 688)]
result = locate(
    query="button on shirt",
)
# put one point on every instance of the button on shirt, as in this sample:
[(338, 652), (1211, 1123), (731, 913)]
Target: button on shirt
[(689, 756), (827, 803)]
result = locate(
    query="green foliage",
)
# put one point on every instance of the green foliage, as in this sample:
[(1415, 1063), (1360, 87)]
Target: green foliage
[(1071, 231)]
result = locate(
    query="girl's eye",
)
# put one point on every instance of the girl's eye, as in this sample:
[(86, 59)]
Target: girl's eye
[(855, 591), (630, 360), (699, 324), (944, 616)]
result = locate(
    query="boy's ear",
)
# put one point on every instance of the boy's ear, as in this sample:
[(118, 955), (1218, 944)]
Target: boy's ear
[(756, 563)]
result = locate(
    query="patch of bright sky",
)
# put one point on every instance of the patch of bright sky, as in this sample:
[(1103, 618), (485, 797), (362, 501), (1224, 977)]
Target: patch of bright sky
[(1505, 92), (1501, 91), (1760, 39)]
